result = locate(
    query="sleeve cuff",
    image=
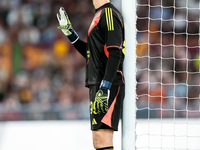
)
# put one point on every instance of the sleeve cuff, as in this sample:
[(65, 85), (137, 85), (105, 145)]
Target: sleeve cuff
[(105, 84)]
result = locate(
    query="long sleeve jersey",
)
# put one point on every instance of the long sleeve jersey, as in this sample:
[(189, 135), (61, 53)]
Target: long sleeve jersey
[(103, 50)]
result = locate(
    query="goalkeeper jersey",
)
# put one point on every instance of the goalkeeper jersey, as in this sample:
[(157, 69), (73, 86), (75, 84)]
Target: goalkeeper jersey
[(106, 33)]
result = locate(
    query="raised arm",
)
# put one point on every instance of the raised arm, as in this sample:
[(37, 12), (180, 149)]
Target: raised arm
[(66, 27)]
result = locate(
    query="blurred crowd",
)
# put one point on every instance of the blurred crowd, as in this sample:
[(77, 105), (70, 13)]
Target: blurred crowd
[(168, 64), (42, 76)]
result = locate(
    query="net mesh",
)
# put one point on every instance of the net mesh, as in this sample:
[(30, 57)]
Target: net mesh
[(168, 74)]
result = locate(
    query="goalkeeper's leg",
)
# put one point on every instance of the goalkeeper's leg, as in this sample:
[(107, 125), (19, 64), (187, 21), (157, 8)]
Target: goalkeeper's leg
[(104, 125), (103, 139)]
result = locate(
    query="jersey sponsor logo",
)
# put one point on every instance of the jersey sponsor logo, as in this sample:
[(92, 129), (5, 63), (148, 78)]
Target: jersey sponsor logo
[(109, 19)]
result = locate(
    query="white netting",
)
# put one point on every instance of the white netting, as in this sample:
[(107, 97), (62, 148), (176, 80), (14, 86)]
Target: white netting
[(168, 74)]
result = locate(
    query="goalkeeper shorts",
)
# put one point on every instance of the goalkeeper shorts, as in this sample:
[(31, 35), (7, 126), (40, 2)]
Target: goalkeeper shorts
[(109, 120)]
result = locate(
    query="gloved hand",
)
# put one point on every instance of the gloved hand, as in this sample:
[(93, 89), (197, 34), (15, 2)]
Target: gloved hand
[(66, 26), (101, 98)]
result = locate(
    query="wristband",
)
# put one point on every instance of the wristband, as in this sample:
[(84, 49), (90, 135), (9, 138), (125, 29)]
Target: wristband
[(73, 37), (105, 84)]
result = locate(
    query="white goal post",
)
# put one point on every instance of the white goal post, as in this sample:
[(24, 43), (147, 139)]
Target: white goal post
[(129, 105), (162, 74)]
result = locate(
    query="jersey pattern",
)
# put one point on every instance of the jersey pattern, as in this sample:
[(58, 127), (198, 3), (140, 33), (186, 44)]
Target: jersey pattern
[(106, 32)]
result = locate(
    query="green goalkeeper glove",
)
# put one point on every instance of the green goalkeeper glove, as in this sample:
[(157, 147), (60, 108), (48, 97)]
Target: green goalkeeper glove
[(66, 26), (101, 98)]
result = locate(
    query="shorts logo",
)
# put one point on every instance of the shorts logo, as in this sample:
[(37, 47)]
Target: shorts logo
[(94, 122)]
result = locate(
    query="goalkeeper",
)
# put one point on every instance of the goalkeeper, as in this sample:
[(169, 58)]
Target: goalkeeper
[(104, 72)]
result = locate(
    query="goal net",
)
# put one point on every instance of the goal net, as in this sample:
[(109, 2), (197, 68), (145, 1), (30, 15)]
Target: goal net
[(168, 75)]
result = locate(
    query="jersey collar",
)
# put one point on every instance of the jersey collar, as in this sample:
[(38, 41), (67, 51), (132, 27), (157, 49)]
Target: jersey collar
[(104, 6)]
